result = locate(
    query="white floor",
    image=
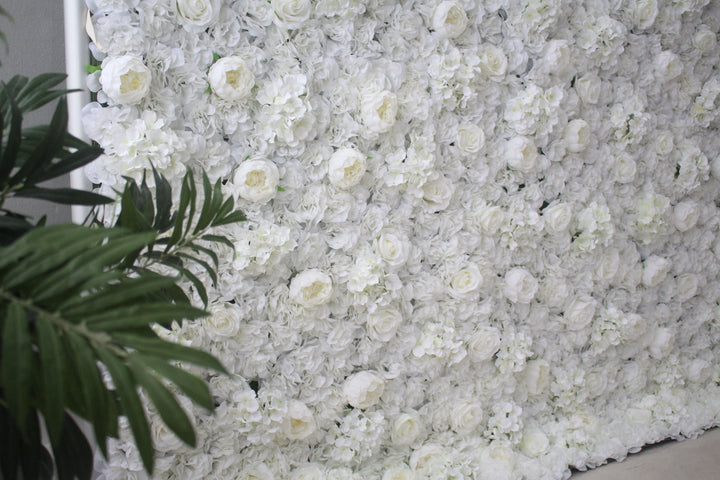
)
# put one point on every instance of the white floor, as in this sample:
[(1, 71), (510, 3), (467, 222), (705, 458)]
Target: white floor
[(697, 459)]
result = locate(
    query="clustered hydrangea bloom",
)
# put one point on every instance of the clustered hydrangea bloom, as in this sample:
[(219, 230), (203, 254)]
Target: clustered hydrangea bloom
[(481, 238)]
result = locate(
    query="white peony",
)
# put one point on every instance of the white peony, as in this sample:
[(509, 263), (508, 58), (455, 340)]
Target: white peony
[(406, 428), (231, 79), (534, 442), (655, 270), (685, 215), (378, 111), (520, 285), (577, 135), (705, 40), (466, 416), (256, 180), (299, 422), (346, 168), (588, 88), (125, 79), (311, 288), (521, 153), (493, 62), (449, 19), (579, 313), (557, 217), (363, 389)]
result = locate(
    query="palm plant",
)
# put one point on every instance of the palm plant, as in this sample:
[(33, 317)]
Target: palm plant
[(80, 305)]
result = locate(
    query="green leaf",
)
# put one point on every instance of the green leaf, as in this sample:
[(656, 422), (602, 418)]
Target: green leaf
[(10, 443), (200, 249), (169, 409), (135, 316), (280, 189), (92, 68), (125, 387), (125, 292), (156, 347), (65, 196), (234, 217), (17, 362), (52, 362), (12, 145), (208, 208), (216, 57), (163, 202), (36, 93), (185, 193), (72, 162), (197, 283), (192, 386), (73, 454), (202, 263), (218, 239)]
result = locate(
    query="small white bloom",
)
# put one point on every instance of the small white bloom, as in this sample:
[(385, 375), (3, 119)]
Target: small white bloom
[(311, 288), (308, 472), (399, 472), (437, 193), (449, 19), (231, 79), (655, 270), (580, 312), (685, 215), (493, 61), (662, 343), (534, 442), (577, 135), (520, 285), (382, 324), (223, 322), (624, 168), (393, 247), (406, 428), (466, 416), (470, 138), (521, 153), (557, 217), (256, 180), (644, 13), (668, 65), (686, 286), (663, 143), (291, 13), (363, 389), (378, 111), (588, 88), (466, 280), (125, 79), (346, 168), (705, 39), (299, 422), (196, 13), (484, 343)]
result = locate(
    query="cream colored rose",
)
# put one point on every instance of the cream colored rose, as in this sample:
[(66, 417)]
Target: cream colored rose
[(655, 270), (437, 193), (291, 13), (382, 324), (449, 19), (299, 423), (465, 417), (520, 285), (399, 472), (200, 13), (308, 472), (705, 39), (668, 65), (363, 389), (521, 153), (470, 138), (484, 343), (534, 442), (624, 168), (231, 79), (557, 217), (491, 218), (223, 322), (664, 143), (493, 61), (662, 343), (537, 376), (686, 286), (588, 88), (685, 215), (644, 13), (406, 428), (256, 180), (378, 111), (577, 135), (125, 79), (580, 312), (393, 247), (466, 280), (346, 168), (311, 288)]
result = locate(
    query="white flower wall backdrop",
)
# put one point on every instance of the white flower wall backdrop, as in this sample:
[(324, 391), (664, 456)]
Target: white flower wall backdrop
[(482, 236)]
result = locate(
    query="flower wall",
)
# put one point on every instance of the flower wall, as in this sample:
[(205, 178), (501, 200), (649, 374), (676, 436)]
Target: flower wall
[(482, 236)]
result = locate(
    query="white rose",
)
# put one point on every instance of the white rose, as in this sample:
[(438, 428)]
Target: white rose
[(491, 218), (520, 285), (346, 168), (484, 343), (577, 135), (534, 442), (383, 324), (644, 13), (465, 417), (608, 265), (580, 312), (663, 143), (654, 270), (668, 65), (662, 342), (449, 19), (470, 138), (311, 288), (256, 180), (308, 472), (521, 153), (393, 247), (406, 428), (197, 13), (223, 322), (437, 193), (685, 215), (299, 422), (686, 286), (705, 39), (624, 168), (399, 472), (466, 280), (588, 88), (493, 61), (557, 217), (363, 389), (125, 79), (378, 111), (537, 376), (291, 13), (231, 79)]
